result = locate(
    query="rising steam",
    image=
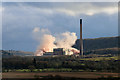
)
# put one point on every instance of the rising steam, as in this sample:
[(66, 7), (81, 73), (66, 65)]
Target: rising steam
[(48, 42)]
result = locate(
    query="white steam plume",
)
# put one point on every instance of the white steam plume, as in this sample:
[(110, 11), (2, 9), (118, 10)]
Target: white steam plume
[(47, 41), (66, 40)]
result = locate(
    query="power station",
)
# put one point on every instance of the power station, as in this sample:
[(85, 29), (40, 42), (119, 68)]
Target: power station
[(62, 51), (58, 51)]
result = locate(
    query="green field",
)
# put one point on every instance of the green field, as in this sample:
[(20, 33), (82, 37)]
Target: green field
[(102, 58), (42, 70)]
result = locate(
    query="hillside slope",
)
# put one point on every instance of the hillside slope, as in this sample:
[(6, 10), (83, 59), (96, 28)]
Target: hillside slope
[(98, 43), (8, 53), (101, 46)]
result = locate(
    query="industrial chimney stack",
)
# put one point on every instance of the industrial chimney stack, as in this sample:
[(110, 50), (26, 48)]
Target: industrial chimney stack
[(81, 41)]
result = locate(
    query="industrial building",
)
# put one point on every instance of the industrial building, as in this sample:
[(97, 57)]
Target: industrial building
[(48, 54), (58, 51), (62, 51)]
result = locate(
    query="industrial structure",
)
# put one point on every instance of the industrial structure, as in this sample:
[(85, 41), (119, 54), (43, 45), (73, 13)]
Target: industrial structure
[(58, 51), (81, 41), (62, 51)]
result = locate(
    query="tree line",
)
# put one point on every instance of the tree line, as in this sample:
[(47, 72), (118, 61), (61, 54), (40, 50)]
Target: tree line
[(74, 63)]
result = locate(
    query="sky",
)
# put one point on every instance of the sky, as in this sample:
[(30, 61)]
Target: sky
[(100, 19)]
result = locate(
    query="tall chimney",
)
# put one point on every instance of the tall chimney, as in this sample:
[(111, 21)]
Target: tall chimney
[(81, 41)]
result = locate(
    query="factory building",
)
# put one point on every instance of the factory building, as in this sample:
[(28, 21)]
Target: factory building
[(48, 54), (62, 51), (58, 51)]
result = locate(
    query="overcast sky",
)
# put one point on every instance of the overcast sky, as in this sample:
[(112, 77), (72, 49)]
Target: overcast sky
[(19, 20)]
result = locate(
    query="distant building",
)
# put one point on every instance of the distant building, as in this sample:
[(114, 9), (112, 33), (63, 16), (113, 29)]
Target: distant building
[(58, 51), (62, 51), (48, 54)]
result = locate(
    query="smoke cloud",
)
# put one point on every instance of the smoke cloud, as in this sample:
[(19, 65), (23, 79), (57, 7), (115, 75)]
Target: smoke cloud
[(48, 41), (66, 40)]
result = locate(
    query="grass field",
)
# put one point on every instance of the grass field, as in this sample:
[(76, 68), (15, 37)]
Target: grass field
[(63, 74), (102, 58)]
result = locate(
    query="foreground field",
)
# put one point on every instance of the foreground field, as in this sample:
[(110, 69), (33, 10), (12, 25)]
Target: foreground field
[(62, 74), (102, 58)]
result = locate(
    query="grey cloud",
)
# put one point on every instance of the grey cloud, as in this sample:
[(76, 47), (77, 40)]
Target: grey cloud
[(72, 9), (19, 19)]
